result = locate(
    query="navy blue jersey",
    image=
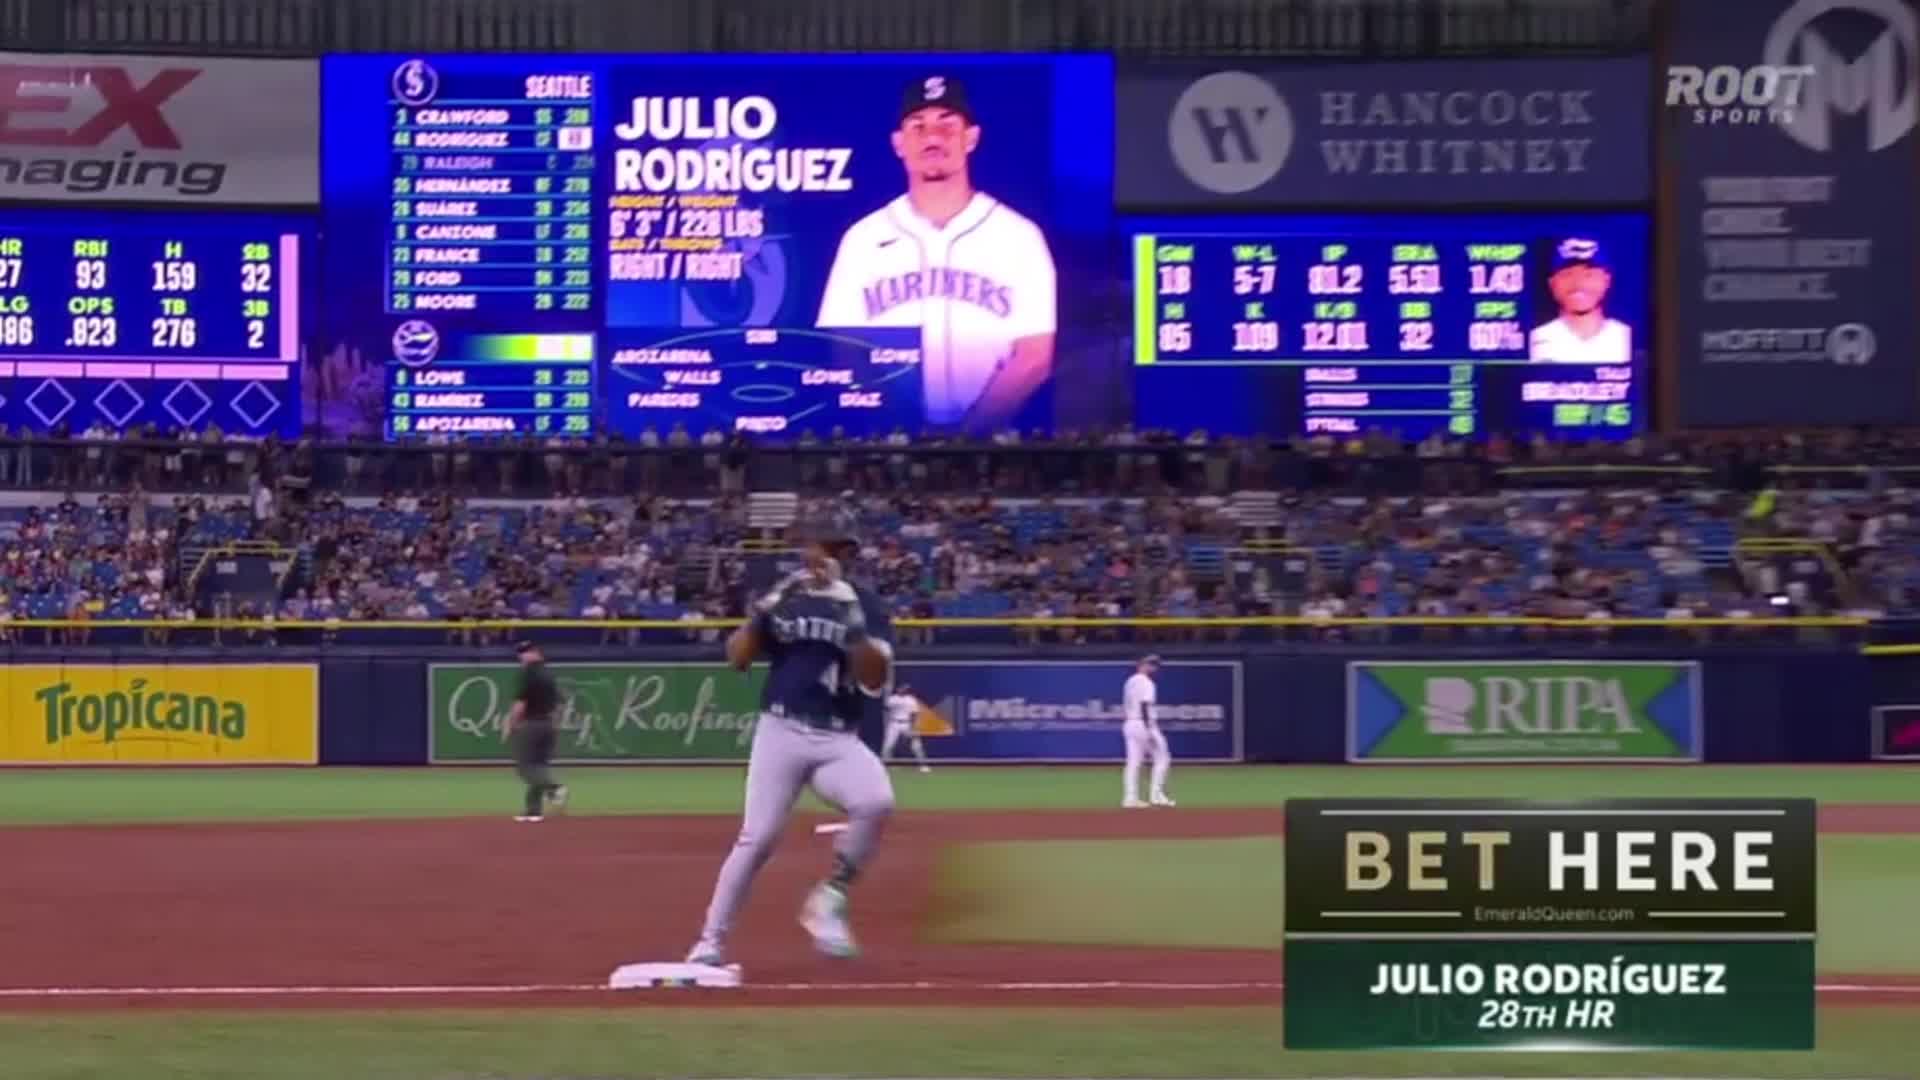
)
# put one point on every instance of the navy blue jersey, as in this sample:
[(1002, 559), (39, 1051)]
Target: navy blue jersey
[(864, 713), (805, 635)]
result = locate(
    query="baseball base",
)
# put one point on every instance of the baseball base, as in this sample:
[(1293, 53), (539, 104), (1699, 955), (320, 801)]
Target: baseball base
[(674, 976)]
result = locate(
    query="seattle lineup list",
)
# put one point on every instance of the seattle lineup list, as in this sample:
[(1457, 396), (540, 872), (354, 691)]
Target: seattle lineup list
[(490, 260)]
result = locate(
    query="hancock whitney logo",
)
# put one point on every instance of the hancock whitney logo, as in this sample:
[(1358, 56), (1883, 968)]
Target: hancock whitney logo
[(1230, 132)]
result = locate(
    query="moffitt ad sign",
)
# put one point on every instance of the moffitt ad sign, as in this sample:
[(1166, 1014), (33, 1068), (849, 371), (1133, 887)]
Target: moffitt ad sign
[(1788, 129), (1229, 134), (151, 129)]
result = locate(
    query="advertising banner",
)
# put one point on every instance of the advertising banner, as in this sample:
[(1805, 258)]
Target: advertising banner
[(1896, 733), (1229, 134), (997, 710), (609, 712), (1539, 710), (159, 129), (1787, 135), (160, 714)]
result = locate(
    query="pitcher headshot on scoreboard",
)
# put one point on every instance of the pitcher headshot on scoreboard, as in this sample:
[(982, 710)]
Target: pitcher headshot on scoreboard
[(972, 273), (1580, 332)]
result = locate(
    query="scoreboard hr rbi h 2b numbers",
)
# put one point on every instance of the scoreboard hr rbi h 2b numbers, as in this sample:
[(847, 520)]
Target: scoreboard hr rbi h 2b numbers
[(1492, 924), (175, 320), (492, 231), (1414, 324)]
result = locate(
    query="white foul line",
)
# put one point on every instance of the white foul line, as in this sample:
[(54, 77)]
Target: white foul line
[(929, 986)]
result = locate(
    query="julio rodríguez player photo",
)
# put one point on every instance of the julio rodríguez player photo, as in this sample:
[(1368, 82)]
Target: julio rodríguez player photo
[(971, 272), (1580, 332)]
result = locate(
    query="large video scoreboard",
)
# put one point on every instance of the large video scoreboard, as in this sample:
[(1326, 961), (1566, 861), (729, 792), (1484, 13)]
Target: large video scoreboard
[(132, 318), (1462, 325), (609, 244), (537, 247)]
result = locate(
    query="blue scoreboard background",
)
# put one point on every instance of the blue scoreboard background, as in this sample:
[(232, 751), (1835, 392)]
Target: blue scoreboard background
[(182, 321), (1415, 323), (553, 246)]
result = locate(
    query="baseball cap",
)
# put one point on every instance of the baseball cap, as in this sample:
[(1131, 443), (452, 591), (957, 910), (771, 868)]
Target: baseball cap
[(524, 646), (1578, 251), (1151, 660), (935, 92)]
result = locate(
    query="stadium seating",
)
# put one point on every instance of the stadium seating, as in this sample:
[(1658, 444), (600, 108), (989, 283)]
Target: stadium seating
[(1335, 547)]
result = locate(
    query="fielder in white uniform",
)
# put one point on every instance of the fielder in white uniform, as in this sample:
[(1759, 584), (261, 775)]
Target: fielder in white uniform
[(1144, 737), (1581, 333), (975, 276), (902, 707)]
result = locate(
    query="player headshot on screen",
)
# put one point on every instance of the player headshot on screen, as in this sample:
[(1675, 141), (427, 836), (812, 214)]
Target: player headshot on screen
[(973, 274), (1581, 333)]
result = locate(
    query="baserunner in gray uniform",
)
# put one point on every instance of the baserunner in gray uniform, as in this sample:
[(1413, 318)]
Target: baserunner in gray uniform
[(813, 629)]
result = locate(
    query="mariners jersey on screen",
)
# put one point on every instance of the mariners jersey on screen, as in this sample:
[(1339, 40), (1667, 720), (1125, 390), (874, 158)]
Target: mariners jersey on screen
[(973, 287), (806, 636), (1556, 343)]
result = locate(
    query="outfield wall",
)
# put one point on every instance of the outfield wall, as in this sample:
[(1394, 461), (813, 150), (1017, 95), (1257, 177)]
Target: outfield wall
[(1305, 703)]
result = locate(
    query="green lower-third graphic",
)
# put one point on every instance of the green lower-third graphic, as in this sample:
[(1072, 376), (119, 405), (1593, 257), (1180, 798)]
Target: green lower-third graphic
[(609, 712), (1549, 995)]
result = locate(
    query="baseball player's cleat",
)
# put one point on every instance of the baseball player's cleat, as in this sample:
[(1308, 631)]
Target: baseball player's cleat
[(528, 817), (1163, 800), (926, 768), (1132, 804), (707, 951), (824, 916), (558, 800)]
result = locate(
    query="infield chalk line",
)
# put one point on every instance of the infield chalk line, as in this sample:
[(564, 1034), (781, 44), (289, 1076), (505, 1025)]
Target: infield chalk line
[(927, 986)]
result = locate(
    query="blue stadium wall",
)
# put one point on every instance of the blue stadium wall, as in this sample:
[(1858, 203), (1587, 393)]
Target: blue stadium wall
[(1782, 704)]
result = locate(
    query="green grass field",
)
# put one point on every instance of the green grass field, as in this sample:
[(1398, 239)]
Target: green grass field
[(1186, 893), (44, 796), (1228, 894)]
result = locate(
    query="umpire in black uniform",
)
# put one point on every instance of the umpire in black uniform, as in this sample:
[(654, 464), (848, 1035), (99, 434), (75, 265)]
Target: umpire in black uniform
[(531, 735)]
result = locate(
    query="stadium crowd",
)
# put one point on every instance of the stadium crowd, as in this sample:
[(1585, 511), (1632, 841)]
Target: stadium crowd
[(1132, 525)]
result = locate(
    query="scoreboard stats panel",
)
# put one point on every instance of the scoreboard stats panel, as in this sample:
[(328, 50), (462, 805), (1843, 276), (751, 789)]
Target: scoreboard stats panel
[(538, 246), (1411, 324), (128, 318)]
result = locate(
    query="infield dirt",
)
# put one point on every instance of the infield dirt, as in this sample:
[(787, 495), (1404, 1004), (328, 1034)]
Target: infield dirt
[(468, 911)]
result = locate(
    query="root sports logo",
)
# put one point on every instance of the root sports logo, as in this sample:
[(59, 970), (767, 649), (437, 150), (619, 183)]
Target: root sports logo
[(1542, 710)]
